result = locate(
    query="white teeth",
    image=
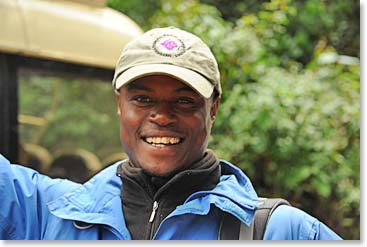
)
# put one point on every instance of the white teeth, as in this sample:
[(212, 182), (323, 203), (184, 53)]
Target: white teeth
[(162, 140)]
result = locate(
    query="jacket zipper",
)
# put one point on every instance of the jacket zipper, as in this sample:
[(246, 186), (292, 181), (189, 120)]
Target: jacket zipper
[(151, 219), (154, 210)]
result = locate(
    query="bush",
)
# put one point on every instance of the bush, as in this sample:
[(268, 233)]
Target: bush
[(293, 127)]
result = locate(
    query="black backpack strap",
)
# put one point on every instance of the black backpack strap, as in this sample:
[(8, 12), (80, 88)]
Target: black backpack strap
[(232, 228), (262, 214), (229, 228)]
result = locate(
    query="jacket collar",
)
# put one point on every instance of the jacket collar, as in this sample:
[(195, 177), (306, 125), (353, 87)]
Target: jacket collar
[(98, 201), (95, 202), (233, 194)]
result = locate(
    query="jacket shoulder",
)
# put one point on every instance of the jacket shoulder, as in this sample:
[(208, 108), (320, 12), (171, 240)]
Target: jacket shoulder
[(26, 180), (24, 194), (290, 223)]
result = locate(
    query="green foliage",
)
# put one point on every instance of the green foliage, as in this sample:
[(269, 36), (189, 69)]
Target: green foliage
[(293, 27), (138, 10), (82, 109), (233, 9), (290, 111)]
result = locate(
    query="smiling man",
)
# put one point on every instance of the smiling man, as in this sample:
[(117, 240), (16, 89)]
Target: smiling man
[(161, 119), (167, 89)]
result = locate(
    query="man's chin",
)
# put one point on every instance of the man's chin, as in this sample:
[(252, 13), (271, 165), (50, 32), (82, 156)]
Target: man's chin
[(159, 172)]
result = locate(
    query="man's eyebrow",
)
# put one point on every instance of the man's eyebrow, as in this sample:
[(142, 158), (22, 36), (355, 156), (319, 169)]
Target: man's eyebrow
[(135, 86)]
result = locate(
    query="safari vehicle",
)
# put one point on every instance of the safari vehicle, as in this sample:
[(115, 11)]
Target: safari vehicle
[(63, 39)]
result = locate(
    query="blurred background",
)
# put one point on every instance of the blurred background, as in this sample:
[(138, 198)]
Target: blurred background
[(290, 112)]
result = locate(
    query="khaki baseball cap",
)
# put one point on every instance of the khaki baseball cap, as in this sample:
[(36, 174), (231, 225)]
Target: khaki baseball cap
[(173, 52)]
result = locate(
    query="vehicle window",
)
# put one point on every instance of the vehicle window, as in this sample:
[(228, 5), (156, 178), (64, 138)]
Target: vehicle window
[(68, 127)]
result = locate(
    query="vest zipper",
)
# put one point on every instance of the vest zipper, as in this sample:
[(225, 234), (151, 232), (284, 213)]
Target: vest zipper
[(155, 207)]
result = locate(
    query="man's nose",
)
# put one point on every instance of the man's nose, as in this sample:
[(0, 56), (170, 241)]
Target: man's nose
[(163, 114)]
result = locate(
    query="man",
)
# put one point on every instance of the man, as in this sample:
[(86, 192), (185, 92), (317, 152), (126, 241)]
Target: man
[(168, 92)]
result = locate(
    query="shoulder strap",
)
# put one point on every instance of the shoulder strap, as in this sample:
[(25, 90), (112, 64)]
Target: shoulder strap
[(263, 212), (232, 228)]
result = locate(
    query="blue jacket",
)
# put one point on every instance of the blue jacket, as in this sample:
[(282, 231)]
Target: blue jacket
[(34, 206)]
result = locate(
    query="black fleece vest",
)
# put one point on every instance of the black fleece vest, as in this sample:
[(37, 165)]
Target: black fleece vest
[(140, 192)]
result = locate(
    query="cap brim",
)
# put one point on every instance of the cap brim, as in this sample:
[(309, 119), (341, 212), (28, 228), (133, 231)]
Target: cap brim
[(189, 77)]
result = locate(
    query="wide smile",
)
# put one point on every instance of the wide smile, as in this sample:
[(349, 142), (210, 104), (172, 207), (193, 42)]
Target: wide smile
[(162, 141)]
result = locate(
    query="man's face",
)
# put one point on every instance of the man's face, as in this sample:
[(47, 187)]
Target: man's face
[(164, 124)]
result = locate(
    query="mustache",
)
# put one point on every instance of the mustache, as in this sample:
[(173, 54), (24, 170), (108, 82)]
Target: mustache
[(173, 131)]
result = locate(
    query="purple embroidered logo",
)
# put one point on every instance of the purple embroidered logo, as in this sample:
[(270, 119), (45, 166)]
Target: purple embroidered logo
[(169, 45)]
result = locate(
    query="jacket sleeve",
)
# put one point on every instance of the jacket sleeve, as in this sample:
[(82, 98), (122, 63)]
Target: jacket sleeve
[(23, 197), (289, 223)]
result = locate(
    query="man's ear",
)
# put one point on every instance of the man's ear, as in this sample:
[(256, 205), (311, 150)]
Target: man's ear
[(118, 101), (214, 107)]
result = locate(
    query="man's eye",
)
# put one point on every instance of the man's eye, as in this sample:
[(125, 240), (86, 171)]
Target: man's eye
[(185, 101), (142, 99)]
